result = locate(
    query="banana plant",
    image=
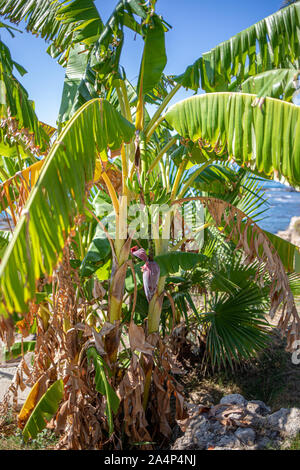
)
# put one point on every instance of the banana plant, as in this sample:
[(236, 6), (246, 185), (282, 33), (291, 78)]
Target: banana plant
[(160, 159)]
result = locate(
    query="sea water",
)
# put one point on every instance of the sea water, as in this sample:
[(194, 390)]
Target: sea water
[(283, 204)]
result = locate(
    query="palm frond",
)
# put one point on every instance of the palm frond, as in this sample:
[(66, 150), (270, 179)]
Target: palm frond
[(236, 327), (248, 237)]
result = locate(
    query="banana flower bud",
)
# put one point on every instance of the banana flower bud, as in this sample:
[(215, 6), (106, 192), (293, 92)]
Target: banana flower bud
[(150, 271)]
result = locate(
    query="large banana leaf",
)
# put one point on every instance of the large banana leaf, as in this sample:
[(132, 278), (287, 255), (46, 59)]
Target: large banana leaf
[(106, 53), (274, 83), (264, 138), (4, 240), (85, 14), (14, 191), (46, 221), (103, 386), (97, 254), (78, 84), (278, 40), (54, 22), (153, 63), (40, 18), (44, 410)]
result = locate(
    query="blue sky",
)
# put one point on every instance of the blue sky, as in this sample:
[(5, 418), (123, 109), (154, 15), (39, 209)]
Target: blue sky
[(197, 27)]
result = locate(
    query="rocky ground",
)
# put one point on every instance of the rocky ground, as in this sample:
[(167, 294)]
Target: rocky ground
[(238, 424), (292, 233), (255, 406)]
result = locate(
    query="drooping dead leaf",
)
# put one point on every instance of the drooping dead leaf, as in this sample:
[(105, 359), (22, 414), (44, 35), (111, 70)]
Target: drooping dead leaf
[(131, 391), (252, 240), (7, 331), (138, 341), (98, 291), (98, 338)]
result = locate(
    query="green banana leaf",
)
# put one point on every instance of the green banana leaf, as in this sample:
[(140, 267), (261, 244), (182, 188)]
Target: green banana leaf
[(16, 350), (40, 19), (76, 74), (273, 83), (44, 410), (154, 56), (103, 386), (55, 22), (173, 261), (106, 53), (262, 138), (4, 240), (57, 198), (84, 14), (97, 254), (239, 58)]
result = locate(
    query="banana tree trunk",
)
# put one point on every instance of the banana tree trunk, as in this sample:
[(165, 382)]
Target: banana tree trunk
[(117, 286), (154, 313)]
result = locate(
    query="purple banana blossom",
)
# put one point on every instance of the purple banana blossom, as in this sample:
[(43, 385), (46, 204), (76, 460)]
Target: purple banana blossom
[(139, 253), (151, 273), (150, 270)]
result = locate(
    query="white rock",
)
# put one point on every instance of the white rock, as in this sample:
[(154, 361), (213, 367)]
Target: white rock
[(285, 420), (292, 233), (261, 407), (233, 399)]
